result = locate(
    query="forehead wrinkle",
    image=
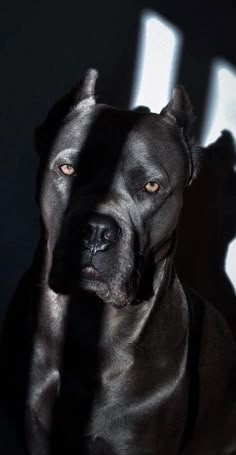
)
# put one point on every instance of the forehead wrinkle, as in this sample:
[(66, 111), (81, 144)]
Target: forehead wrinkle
[(138, 158)]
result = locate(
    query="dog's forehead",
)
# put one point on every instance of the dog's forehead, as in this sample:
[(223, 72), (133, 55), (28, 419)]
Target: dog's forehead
[(152, 136), (107, 133)]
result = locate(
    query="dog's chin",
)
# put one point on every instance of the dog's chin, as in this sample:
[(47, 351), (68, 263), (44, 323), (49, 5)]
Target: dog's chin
[(111, 290), (107, 289), (101, 289)]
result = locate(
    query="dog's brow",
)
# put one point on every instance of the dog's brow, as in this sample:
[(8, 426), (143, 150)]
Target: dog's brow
[(66, 153), (156, 170), (164, 172)]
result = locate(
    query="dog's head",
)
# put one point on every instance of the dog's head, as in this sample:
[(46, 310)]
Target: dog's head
[(112, 185)]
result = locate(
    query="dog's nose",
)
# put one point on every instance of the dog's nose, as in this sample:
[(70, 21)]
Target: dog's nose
[(101, 232)]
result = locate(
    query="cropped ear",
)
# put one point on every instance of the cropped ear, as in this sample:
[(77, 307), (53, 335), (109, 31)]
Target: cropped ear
[(85, 92), (179, 111), (79, 98)]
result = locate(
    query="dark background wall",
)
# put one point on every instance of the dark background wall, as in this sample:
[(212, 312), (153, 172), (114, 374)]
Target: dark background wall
[(45, 46)]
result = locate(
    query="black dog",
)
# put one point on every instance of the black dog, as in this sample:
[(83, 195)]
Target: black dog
[(123, 361)]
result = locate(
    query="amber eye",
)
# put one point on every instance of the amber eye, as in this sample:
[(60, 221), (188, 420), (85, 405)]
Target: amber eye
[(67, 169), (151, 187)]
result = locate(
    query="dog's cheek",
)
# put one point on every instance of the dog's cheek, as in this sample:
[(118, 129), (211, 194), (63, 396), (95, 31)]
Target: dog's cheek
[(124, 279), (173, 209), (165, 220), (53, 206)]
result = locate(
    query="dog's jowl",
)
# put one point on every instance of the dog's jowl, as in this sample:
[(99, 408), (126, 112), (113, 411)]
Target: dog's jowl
[(122, 361)]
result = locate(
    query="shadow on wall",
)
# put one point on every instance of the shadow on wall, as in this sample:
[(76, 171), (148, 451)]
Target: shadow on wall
[(208, 224)]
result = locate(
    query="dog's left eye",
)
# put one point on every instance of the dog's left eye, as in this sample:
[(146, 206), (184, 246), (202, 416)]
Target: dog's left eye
[(67, 169), (151, 187)]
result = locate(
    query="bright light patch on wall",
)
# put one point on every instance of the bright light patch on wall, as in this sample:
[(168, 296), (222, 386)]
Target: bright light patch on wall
[(157, 62), (230, 266), (221, 113)]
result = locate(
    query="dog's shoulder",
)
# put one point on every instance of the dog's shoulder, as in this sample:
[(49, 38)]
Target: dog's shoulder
[(206, 320), (212, 371)]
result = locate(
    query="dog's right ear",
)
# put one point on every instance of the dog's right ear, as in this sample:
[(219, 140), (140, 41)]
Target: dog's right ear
[(79, 98), (85, 92)]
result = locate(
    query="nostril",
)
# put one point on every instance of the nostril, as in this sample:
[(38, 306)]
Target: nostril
[(110, 234), (87, 235)]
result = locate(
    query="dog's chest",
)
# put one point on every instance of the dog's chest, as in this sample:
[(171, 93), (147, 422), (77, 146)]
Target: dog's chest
[(111, 392)]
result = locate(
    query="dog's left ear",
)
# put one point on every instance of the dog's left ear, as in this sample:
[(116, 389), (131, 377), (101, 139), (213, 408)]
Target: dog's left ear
[(179, 112)]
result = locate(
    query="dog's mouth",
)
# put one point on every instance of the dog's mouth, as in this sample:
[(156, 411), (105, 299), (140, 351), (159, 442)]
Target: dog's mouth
[(111, 288), (90, 273)]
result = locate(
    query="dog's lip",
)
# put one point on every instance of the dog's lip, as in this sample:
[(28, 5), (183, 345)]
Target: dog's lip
[(90, 273)]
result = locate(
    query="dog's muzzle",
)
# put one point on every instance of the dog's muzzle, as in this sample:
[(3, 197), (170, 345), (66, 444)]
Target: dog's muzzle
[(101, 233), (91, 256)]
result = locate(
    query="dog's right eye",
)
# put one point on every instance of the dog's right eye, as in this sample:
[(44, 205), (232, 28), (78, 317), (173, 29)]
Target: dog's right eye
[(67, 169)]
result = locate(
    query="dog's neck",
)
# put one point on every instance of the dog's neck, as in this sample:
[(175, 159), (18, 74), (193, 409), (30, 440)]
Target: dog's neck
[(165, 313)]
